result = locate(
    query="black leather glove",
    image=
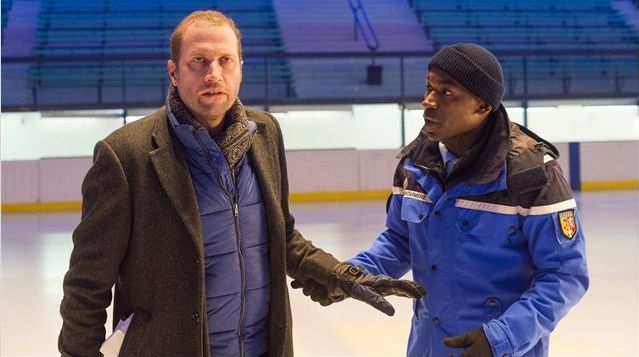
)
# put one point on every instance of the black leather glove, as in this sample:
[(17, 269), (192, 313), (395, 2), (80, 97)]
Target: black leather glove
[(349, 280), (317, 292), (474, 343)]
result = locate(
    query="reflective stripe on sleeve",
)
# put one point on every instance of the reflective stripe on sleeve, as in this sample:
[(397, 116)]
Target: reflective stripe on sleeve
[(503, 209)]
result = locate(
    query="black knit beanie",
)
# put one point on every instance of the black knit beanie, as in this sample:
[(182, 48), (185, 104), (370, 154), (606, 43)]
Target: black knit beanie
[(475, 68)]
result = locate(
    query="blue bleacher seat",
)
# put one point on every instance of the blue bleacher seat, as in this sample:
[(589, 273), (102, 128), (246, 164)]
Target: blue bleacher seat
[(121, 28), (522, 25)]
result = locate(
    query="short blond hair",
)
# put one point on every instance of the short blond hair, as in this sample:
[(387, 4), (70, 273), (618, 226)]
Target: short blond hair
[(211, 17)]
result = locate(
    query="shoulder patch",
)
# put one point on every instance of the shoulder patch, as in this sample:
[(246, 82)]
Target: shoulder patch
[(567, 223)]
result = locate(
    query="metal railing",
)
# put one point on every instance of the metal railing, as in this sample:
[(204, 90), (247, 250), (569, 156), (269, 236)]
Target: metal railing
[(314, 78), (362, 24)]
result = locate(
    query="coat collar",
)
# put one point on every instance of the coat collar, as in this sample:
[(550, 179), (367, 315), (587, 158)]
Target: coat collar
[(171, 168), (482, 163), (485, 161)]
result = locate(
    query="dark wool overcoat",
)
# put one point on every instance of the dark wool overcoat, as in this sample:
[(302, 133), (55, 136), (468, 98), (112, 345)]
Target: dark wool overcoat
[(141, 231)]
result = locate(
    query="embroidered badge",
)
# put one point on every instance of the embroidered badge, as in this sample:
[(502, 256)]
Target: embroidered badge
[(568, 223)]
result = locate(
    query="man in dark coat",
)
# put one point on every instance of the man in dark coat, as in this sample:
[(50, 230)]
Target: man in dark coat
[(186, 213)]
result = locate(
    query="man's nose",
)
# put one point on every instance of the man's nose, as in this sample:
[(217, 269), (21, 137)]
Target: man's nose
[(214, 72), (429, 101)]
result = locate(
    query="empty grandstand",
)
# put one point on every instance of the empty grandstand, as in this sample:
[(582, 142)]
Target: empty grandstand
[(112, 54)]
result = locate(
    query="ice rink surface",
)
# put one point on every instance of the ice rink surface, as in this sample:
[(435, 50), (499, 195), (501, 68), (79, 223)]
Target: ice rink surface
[(36, 248)]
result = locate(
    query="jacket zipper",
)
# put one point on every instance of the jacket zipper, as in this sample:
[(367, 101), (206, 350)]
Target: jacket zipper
[(236, 218)]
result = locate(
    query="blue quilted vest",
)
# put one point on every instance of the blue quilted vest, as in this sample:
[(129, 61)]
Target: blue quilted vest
[(238, 282)]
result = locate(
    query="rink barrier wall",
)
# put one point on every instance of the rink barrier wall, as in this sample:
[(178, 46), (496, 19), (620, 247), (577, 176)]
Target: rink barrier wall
[(53, 184)]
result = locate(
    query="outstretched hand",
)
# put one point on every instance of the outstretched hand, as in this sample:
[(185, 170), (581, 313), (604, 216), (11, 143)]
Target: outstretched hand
[(348, 280)]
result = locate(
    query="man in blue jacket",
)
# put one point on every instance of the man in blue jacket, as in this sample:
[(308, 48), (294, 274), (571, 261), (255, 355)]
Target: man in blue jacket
[(483, 216)]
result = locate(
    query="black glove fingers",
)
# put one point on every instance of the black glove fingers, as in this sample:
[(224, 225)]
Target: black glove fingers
[(371, 297), (389, 286), (473, 352), (350, 280), (296, 284), (474, 342), (461, 341), (307, 289), (319, 291)]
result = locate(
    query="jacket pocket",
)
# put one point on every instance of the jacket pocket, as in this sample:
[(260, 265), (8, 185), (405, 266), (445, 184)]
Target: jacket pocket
[(482, 223), (135, 335), (415, 211), (489, 229)]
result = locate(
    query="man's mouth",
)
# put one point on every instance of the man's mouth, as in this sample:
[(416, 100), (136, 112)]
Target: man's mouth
[(212, 93), (429, 120)]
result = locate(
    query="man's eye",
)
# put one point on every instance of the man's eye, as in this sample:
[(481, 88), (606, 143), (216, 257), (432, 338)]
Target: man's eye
[(447, 91), (429, 88), (198, 59), (226, 60)]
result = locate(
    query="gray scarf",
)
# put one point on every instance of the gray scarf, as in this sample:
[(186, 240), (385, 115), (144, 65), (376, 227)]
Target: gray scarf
[(234, 139)]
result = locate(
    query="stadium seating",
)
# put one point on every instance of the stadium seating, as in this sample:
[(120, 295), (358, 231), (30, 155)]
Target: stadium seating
[(540, 26), (105, 53), (119, 29), (6, 6)]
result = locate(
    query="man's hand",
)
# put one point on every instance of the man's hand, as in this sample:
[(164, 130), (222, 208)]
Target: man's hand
[(474, 343), (317, 292), (348, 280)]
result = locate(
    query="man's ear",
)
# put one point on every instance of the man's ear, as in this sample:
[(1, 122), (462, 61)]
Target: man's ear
[(484, 108), (171, 68)]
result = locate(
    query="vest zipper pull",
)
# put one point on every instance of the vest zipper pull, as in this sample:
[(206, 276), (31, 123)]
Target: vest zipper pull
[(236, 210)]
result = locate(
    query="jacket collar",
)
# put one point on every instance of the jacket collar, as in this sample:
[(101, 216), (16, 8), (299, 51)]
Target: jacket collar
[(232, 142), (482, 163)]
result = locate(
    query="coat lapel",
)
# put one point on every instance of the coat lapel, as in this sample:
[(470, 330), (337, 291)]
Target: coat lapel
[(261, 161), (171, 168)]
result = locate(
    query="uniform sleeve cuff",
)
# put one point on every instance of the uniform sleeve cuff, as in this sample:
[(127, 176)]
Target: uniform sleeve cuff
[(498, 339), (367, 267)]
